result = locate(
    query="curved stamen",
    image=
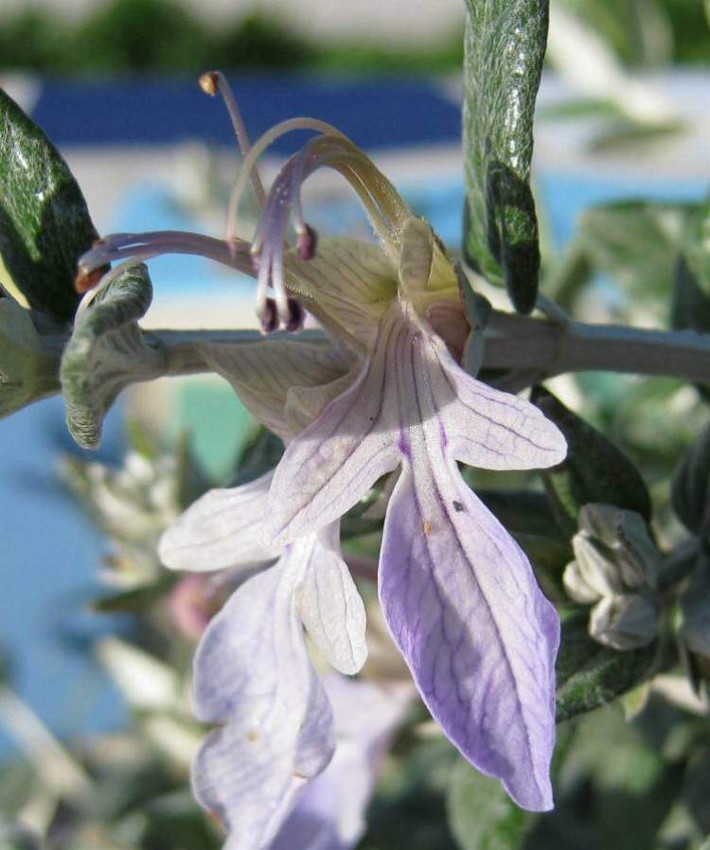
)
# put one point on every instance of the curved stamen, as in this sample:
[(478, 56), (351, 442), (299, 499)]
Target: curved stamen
[(132, 248), (214, 82), (383, 203), (269, 137)]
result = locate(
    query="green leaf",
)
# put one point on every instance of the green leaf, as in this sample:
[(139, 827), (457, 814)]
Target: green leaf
[(690, 492), (409, 809), (691, 296), (690, 309), (594, 470), (44, 222), (28, 366), (636, 242), (696, 790), (263, 453), (697, 246), (137, 600), (481, 814), (106, 352), (504, 50), (521, 511), (175, 820), (589, 675), (626, 785)]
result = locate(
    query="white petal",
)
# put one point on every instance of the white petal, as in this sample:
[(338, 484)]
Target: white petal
[(330, 606), (262, 373), (347, 286), (221, 530)]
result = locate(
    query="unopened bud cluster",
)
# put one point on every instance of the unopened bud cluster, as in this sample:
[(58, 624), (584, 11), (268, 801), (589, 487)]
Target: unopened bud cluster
[(615, 568)]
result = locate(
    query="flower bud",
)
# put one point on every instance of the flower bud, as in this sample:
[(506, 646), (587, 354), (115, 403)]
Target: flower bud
[(624, 621), (614, 554)]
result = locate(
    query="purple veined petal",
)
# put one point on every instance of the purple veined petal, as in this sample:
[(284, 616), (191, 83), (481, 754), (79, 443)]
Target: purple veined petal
[(330, 606), (465, 610), (361, 435), (488, 428), (263, 372), (222, 530), (331, 465), (253, 674), (330, 815)]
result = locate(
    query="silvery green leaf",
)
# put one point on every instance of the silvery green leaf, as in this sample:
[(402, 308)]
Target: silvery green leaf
[(632, 783), (595, 470), (481, 815), (522, 511), (696, 790), (691, 306), (636, 242), (695, 610), (28, 365), (106, 352), (44, 222), (589, 675), (690, 492), (697, 245), (504, 49)]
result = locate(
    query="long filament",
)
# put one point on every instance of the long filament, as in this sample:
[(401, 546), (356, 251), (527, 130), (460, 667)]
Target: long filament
[(269, 137), (214, 82)]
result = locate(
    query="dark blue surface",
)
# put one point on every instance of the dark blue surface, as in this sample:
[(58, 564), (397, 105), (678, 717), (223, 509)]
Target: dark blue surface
[(375, 112)]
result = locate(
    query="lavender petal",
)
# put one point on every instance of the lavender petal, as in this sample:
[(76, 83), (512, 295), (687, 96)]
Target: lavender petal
[(253, 674), (480, 638)]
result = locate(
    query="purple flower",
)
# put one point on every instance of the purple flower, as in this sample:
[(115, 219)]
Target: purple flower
[(386, 396), (458, 593)]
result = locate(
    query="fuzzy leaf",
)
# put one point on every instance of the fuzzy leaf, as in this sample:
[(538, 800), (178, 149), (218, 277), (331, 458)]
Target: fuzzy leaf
[(481, 815), (505, 45), (636, 242), (28, 368), (44, 222), (106, 352), (589, 675), (594, 470), (691, 485), (690, 308)]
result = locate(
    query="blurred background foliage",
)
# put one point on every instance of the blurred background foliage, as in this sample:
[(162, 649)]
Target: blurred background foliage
[(141, 36)]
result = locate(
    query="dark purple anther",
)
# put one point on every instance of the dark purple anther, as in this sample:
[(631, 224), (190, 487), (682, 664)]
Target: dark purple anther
[(297, 316), (307, 243), (269, 320)]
